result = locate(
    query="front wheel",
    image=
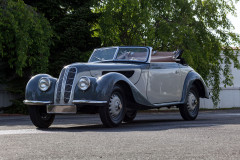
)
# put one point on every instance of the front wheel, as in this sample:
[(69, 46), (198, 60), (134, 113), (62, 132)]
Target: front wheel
[(189, 111), (39, 116), (113, 113)]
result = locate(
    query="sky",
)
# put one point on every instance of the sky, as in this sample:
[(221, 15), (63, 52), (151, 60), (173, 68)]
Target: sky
[(236, 20)]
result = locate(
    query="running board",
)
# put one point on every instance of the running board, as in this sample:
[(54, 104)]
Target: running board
[(166, 104)]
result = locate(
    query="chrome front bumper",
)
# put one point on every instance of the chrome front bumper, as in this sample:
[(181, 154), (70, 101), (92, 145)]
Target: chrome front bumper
[(88, 102), (62, 109), (30, 102)]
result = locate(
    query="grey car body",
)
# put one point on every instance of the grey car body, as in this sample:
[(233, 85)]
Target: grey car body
[(145, 84)]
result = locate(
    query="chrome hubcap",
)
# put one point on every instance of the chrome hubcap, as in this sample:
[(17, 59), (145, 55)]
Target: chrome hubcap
[(115, 106), (192, 102)]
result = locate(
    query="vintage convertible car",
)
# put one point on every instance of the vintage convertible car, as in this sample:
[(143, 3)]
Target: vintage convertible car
[(116, 82)]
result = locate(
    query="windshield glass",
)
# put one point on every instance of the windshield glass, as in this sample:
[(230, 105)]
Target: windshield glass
[(132, 54), (102, 54), (139, 54)]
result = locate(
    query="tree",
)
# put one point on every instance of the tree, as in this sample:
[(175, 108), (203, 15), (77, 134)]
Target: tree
[(71, 21), (25, 37), (199, 27)]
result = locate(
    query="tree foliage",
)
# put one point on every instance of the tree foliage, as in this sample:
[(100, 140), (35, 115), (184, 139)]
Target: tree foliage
[(200, 27), (24, 38), (71, 21), (53, 32)]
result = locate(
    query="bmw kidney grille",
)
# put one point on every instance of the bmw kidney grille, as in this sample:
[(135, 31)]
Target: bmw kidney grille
[(65, 85)]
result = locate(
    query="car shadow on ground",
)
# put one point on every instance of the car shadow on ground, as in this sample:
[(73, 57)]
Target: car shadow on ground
[(144, 125), (144, 122)]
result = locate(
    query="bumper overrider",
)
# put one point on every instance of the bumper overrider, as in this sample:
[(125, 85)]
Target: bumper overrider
[(62, 95)]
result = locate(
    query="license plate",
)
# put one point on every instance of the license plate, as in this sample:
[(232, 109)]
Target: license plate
[(68, 109)]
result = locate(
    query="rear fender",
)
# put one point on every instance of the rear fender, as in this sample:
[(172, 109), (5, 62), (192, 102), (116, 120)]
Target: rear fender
[(193, 78)]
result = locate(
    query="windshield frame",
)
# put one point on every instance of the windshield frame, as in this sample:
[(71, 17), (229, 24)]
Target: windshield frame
[(122, 60)]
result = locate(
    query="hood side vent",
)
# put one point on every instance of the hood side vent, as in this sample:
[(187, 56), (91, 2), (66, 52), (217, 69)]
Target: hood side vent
[(128, 74)]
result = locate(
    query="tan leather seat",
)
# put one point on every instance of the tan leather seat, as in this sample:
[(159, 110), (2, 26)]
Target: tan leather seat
[(162, 57)]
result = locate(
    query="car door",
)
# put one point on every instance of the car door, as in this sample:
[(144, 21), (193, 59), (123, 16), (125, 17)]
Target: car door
[(164, 83)]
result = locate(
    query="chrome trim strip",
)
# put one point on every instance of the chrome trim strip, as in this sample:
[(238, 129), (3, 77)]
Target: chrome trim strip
[(63, 85), (57, 85), (64, 79), (88, 101), (74, 84), (167, 104), (30, 102)]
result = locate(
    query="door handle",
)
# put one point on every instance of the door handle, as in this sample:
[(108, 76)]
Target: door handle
[(177, 72)]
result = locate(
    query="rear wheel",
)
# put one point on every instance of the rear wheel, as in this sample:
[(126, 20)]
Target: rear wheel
[(189, 111), (113, 113), (39, 116)]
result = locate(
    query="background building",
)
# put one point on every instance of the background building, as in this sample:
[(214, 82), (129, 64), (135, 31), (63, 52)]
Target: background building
[(229, 96), (5, 97)]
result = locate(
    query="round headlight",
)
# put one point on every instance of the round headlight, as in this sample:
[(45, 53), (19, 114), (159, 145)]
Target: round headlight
[(84, 83), (44, 83)]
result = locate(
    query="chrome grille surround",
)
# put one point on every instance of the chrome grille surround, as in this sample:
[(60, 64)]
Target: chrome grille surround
[(69, 84), (59, 86), (65, 86)]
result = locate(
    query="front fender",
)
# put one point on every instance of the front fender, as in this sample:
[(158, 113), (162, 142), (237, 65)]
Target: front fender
[(194, 78), (101, 89), (33, 93)]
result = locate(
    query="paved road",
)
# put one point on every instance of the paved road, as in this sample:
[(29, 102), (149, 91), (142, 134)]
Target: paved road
[(214, 135)]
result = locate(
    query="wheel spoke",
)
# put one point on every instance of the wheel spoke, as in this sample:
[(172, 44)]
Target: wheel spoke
[(115, 106), (192, 103), (113, 113)]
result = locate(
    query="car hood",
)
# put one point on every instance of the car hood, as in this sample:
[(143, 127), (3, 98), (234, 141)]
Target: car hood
[(131, 71)]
